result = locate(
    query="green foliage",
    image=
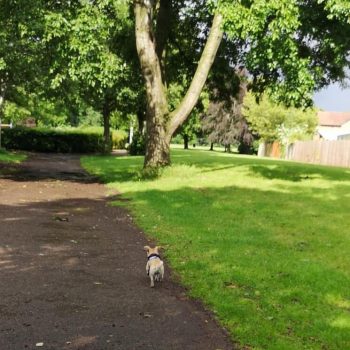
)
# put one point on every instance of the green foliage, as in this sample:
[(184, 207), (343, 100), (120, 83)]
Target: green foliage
[(44, 112), (119, 139), (292, 47), (248, 148), (92, 46), (190, 130), (11, 157), (263, 243), (137, 146), (21, 47), (90, 117), (272, 121), (51, 140), (177, 140)]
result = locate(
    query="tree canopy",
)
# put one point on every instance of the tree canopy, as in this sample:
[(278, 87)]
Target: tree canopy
[(93, 50), (86, 51), (21, 49), (290, 48)]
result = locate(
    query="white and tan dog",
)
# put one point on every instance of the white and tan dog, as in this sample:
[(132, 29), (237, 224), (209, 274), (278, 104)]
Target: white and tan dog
[(154, 266)]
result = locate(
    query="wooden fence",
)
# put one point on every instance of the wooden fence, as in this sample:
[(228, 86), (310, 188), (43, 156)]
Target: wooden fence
[(270, 149), (336, 153)]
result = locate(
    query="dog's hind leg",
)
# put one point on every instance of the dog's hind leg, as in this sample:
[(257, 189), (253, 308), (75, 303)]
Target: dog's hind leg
[(152, 279), (161, 276)]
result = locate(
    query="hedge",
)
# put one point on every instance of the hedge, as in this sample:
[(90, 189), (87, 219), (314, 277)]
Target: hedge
[(50, 140)]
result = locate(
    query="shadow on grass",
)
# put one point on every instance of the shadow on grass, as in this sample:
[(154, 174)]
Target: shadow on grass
[(298, 172), (271, 263), (112, 169), (266, 261)]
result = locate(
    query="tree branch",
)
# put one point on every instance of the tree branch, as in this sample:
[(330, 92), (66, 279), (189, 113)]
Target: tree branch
[(180, 114)]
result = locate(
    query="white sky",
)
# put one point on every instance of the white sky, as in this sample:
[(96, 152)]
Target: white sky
[(333, 98)]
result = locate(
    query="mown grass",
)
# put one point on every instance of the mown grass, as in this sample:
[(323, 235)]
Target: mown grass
[(265, 244), (11, 157)]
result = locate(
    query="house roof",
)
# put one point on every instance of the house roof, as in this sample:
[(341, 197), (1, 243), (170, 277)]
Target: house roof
[(333, 118)]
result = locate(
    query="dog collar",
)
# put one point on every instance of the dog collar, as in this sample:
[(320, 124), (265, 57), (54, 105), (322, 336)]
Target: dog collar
[(153, 256)]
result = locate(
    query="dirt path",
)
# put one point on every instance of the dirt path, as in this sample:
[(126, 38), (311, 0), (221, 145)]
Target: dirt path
[(72, 270)]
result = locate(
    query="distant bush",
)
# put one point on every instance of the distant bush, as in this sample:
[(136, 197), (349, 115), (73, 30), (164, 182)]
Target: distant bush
[(138, 145), (246, 148), (51, 140), (177, 140), (119, 139)]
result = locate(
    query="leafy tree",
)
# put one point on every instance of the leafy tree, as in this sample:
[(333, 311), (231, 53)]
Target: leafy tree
[(21, 50), (93, 49), (282, 43), (151, 46), (224, 122), (190, 129), (272, 121)]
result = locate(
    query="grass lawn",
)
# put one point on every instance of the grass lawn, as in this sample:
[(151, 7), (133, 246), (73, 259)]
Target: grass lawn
[(265, 244), (11, 157)]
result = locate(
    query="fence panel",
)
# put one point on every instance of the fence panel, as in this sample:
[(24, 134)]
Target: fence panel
[(336, 153)]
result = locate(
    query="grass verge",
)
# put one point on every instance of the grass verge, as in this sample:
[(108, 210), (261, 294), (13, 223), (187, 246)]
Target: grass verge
[(11, 157), (265, 244)]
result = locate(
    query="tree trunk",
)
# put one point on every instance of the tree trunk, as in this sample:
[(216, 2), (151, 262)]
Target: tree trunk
[(106, 129), (2, 102), (186, 141), (211, 146), (1, 115), (140, 121), (157, 117), (160, 124)]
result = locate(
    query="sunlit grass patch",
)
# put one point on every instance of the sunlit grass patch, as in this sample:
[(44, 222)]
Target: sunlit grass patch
[(264, 243), (11, 157)]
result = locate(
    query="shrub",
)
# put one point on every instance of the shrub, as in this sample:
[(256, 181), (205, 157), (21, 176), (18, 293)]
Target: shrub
[(177, 140), (119, 139), (248, 148), (51, 140), (138, 145)]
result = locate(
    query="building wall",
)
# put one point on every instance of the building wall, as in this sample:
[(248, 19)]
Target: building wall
[(328, 132)]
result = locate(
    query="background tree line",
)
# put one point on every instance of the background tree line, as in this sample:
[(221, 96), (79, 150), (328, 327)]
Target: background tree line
[(171, 66)]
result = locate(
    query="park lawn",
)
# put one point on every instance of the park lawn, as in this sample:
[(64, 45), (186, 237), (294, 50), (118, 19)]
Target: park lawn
[(11, 157), (265, 244)]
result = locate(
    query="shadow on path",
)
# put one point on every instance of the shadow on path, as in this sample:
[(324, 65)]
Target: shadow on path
[(72, 269)]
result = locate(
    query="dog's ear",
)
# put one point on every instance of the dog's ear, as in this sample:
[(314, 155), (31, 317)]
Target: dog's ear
[(159, 247), (147, 248)]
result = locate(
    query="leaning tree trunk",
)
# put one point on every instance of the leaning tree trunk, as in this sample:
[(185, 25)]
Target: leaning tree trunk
[(160, 123)]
